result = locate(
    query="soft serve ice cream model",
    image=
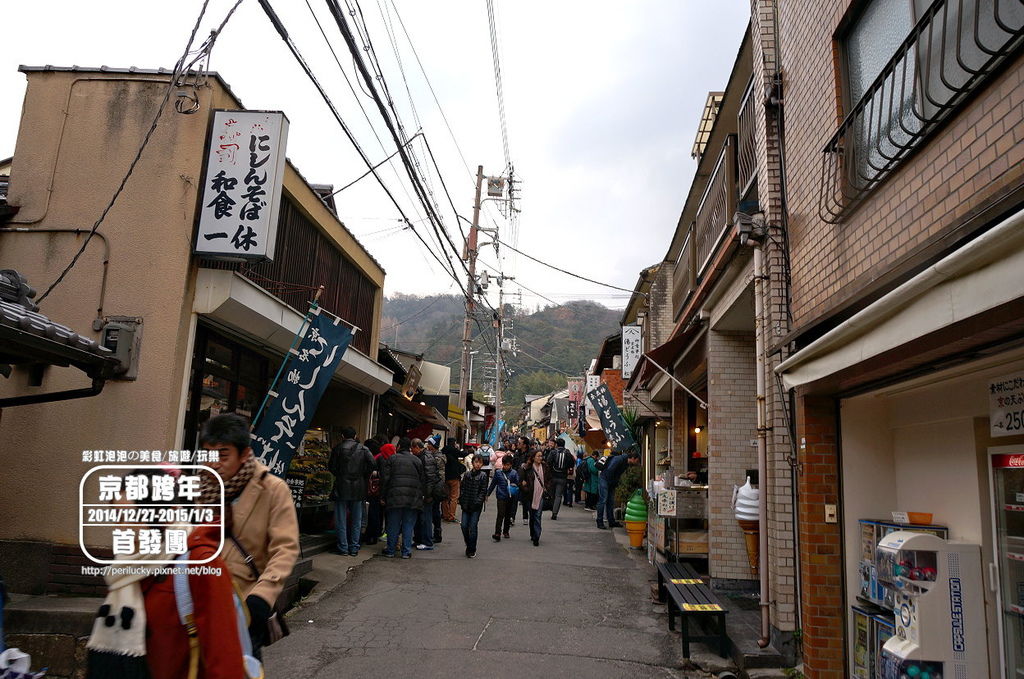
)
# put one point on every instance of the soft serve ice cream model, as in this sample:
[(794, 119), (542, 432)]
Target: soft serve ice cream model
[(940, 608)]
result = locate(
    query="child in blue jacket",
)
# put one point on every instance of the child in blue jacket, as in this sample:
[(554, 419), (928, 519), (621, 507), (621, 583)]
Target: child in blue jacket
[(506, 482)]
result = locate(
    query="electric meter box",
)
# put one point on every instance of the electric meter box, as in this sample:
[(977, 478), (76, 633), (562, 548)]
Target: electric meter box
[(939, 606)]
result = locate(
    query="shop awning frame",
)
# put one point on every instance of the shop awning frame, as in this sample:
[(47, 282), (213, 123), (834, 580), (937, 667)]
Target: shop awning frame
[(662, 356)]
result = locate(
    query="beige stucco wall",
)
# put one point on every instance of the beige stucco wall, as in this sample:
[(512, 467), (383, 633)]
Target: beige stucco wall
[(79, 132)]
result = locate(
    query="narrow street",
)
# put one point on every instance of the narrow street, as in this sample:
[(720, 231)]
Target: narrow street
[(576, 606)]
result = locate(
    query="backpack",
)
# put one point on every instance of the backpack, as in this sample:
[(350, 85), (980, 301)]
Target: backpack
[(583, 471), (602, 463), (186, 610)]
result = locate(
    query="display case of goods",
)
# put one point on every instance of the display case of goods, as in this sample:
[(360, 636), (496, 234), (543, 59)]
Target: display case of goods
[(884, 629), (863, 644), (1008, 508), (308, 473), (939, 604), (872, 532)]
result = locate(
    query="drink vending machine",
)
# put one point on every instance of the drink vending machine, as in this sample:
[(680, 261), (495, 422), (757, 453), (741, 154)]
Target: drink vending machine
[(940, 608)]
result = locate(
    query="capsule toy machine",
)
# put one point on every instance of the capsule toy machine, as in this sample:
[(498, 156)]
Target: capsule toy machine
[(940, 608)]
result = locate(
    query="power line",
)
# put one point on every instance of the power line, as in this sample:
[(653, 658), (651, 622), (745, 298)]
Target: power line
[(569, 273), (176, 74), (499, 90), (372, 168), (282, 31)]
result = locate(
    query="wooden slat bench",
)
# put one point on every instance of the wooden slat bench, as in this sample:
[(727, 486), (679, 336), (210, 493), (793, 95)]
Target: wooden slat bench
[(687, 595)]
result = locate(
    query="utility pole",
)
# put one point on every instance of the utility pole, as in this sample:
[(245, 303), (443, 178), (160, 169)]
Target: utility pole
[(470, 257), (499, 368)]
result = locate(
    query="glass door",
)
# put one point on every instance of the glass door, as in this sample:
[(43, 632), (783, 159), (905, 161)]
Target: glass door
[(1008, 510)]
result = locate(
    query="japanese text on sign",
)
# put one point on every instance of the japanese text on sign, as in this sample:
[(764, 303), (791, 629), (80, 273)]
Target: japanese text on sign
[(614, 427), (146, 512), (242, 186), (1006, 405), (311, 365), (632, 347)]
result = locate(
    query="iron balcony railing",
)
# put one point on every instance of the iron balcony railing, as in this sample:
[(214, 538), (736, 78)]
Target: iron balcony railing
[(954, 46), (746, 152), (717, 205), (684, 277), (709, 228)]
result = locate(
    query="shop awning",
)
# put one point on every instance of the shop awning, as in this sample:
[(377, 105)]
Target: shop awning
[(417, 412), (981, 276), (230, 299), (455, 414), (659, 361)]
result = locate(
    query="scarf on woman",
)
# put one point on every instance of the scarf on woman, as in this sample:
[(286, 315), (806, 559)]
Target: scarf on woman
[(233, 487), (117, 645), (538, 486)]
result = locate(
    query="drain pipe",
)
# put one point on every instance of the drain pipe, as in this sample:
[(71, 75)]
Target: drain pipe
[(762, 443)]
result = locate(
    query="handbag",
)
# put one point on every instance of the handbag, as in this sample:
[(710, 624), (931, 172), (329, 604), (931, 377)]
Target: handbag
[(373, 490), (277, 628)]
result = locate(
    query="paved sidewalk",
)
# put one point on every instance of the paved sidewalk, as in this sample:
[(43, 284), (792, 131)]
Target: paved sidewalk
[(576, 606)]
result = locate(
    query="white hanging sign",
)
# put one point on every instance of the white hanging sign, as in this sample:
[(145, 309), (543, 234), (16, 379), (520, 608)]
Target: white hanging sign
[(632, 347), (1006, 405), (241, 195)]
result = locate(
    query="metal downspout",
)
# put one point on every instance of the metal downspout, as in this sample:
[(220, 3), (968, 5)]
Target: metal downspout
[(762, 446)]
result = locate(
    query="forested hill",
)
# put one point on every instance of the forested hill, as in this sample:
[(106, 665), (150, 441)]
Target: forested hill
[(553, 340)]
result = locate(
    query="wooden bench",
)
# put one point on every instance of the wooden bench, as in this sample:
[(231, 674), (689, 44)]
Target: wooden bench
[(687, 595)]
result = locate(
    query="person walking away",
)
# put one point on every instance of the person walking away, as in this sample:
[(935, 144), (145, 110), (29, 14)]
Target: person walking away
[(453, 470), (261, 545), (505, 484), (591, 481), (534, 485), (580, 476), (609, 482), (402, 486), (472, 496), (434, 483), (441, 494), (351, 463), (375, 506), (561, 463)]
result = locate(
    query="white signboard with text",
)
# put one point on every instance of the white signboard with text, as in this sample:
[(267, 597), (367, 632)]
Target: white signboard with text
[(593, 382), (632, 347), (241, 193), (1006, 405)]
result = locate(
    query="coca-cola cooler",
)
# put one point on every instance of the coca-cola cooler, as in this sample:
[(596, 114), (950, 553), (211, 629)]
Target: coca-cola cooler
[(1008, 513)]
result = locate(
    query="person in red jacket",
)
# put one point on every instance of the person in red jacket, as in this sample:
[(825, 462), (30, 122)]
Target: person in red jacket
[(167, 647)]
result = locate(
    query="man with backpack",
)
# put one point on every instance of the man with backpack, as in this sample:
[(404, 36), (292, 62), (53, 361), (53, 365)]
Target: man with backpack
[(352, 464), (561, 463)]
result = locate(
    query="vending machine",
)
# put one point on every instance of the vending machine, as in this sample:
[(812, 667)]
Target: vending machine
[(940, 608)]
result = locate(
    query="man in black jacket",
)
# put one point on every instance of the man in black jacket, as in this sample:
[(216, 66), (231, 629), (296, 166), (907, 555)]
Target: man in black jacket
[(351, 463), (402, 487), (561, 462), (433, 475), (472, 496)]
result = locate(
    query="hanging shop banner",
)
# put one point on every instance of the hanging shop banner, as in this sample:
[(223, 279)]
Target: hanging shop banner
[(310, 367), (496, 432), (632, 347), (1006, 405), (244, 172), (575, 386), (593, 382), (611, 419)]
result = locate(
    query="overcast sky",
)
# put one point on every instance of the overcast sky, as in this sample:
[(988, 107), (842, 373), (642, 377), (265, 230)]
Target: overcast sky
[(602, 103)]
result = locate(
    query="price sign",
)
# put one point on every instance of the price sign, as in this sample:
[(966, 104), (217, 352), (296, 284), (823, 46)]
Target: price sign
[(1006, 405)]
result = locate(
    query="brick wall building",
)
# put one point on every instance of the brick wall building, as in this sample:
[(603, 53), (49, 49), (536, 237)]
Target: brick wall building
[(904, 215)]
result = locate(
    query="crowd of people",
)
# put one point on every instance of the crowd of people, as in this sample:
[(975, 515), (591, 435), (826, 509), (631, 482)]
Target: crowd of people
[(216, 622), (413, 486)]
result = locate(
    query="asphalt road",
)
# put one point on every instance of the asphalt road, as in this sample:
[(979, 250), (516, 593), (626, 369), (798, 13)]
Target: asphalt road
[(576, 606)]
